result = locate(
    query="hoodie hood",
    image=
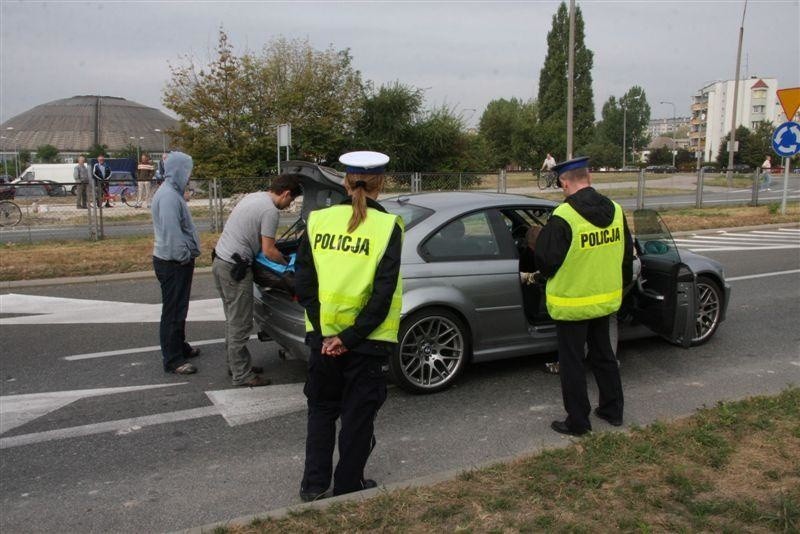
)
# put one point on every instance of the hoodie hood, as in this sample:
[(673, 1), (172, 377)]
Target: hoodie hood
[(177, 170), (592, 206)]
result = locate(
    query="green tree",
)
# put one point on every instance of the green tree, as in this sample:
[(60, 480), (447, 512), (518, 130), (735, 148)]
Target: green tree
[(388, 121), (743, 139), (129, 151), (552, 97), (230, 108), (759, 146), (96, 150), (47, 154), (511, 134), (443, 144), (629, 114)]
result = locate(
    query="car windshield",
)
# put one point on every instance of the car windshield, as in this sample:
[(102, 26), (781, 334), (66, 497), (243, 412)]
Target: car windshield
[(410, 213)]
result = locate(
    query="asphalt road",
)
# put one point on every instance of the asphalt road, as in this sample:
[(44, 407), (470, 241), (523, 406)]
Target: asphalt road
[(174, 456)]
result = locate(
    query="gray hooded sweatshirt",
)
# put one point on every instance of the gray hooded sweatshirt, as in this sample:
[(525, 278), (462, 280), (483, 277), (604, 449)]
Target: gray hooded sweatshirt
[(176, 237)]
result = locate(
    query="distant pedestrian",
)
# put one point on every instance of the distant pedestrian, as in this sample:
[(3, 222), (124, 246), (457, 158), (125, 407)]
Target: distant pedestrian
[(81, 177), (174, 250), (585, 251), (101, 173), (549, 163), (766, 169), (144, 175)]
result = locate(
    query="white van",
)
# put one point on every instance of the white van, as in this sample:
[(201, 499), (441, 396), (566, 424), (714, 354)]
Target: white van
[(57, 172)]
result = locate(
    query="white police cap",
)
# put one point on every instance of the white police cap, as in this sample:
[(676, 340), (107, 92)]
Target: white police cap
[(364, 162)]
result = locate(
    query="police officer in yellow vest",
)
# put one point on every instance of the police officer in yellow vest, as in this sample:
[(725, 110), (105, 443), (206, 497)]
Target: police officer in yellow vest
[(348, 281), (585, 252)]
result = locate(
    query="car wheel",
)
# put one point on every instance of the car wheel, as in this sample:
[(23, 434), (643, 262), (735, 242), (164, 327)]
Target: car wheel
[(432, 351), (709, 309), (73, 190)]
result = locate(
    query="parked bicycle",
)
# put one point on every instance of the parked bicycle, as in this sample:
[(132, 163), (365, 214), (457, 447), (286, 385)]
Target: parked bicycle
[(547, 179), (10, 214)]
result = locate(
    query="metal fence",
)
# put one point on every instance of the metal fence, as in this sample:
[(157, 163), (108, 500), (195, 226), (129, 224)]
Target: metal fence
[(51, 211)]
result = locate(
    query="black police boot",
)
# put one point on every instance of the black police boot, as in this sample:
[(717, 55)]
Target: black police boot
[(309, 496), (562, 428)]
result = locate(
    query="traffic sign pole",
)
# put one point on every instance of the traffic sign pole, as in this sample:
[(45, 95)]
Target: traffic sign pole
[(786, 163)]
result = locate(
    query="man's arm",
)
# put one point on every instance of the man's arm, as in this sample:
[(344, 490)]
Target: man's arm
[(271, 251)]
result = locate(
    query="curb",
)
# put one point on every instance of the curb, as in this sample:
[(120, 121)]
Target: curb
[(203, 270), (364, 495), (98, 278)]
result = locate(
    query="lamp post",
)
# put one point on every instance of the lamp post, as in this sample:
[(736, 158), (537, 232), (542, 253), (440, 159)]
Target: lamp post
[(163, 140), (138, 147), (674, 146)]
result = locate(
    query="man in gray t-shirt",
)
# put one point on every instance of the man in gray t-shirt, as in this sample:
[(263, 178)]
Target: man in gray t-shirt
[(250, 229)]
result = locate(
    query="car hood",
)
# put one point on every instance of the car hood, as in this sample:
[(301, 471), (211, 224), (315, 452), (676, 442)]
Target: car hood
[(322, 186)]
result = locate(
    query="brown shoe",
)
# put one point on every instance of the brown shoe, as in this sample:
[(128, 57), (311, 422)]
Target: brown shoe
[(185, 369), (256, 382), (256, 369)]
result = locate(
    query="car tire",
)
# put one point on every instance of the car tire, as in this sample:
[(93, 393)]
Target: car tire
[(73, 190), (709, 309), (433, 349)]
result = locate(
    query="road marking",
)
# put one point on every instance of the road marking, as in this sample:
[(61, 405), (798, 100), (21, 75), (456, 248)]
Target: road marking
[(762, 275), (120, 425), (237, 406), (17, 410), (37, 309), (136, 350), (729, 249)]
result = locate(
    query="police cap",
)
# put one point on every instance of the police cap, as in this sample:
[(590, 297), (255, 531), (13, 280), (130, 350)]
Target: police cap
[(364, 162)]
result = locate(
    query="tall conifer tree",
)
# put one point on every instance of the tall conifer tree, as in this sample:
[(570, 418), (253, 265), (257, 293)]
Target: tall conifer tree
[(552, 98)]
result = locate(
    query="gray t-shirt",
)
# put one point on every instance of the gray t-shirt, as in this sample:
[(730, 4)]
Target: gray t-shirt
[(254, 216)]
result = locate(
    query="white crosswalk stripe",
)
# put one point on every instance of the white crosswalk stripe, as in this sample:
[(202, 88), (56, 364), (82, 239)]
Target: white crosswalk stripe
[(777, 239)]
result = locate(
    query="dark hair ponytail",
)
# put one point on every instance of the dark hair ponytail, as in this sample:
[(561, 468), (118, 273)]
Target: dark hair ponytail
[(359, 186)]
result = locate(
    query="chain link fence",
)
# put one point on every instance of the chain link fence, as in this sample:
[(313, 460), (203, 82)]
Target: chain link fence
[(52, 211)]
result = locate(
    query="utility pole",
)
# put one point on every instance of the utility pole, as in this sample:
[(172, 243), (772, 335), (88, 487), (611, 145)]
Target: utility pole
[(624, 131), (570, 76), (732, 143), (674, 145)]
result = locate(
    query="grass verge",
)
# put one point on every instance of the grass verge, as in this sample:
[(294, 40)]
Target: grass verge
[(731, 468), (127, 254)]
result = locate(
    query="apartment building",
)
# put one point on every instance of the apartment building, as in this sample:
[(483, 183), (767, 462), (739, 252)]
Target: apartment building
[(712, 111), (665, 127)]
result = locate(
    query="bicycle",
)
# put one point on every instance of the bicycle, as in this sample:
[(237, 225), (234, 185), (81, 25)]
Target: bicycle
[(128, 196), (10, 214), (547, 179)]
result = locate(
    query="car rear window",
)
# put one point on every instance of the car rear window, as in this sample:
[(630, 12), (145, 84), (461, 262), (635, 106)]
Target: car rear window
[(410, 213)]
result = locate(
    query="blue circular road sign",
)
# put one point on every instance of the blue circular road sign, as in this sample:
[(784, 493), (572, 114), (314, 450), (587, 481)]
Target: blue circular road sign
[(786, 139)]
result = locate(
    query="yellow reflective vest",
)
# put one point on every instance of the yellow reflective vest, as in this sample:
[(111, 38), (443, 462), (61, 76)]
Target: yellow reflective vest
[(589, 282), (346, 264)]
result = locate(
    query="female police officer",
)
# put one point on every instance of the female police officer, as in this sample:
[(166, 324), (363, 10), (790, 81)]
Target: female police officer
[(348, 281)]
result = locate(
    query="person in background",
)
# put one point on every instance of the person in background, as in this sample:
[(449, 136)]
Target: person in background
[(81, 177), (101, 172), (585, 252), (348, 281), (144, 175), (175, 247), (766, 168), (549, 163), (250, 229)]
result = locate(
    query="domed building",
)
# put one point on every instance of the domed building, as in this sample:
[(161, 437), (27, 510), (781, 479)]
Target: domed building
[(74, 125)]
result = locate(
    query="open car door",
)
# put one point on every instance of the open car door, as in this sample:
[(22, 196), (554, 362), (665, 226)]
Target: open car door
[(322, 187), (666, 297)]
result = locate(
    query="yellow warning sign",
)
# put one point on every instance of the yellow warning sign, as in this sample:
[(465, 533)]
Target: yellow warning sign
[(790, 100)]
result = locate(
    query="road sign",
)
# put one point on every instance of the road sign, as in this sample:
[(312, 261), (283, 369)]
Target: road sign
[(786, 139), (790, 101)]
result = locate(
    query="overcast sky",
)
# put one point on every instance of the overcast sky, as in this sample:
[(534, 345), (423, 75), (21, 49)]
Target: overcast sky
[(463, 53)]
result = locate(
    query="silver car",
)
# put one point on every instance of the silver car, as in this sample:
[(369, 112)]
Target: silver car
[(462, 296)]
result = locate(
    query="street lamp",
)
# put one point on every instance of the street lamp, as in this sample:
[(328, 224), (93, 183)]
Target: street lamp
[(138, 147), (674, 125), (163, 140)]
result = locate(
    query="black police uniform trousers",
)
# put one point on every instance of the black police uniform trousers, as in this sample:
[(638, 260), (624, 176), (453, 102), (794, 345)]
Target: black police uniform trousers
[(572, 335), (353, 387)]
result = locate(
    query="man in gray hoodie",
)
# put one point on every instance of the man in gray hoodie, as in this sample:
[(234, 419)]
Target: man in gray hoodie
[(175, 247)]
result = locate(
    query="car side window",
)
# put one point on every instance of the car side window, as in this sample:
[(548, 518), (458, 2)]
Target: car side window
[(468, 237)]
